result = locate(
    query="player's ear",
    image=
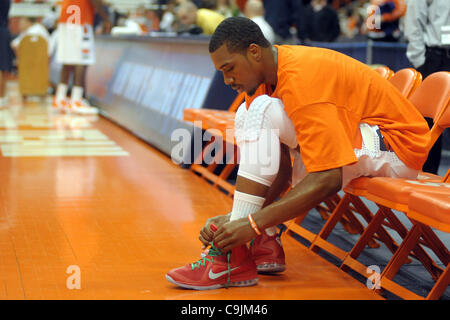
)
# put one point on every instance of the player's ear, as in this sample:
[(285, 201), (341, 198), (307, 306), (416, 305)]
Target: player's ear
[(254, 51)]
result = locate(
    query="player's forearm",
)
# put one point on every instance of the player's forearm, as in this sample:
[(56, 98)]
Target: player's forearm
[(312, 190)]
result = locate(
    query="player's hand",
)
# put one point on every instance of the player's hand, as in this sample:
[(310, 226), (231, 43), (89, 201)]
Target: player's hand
[(233, 234), (206, 235)]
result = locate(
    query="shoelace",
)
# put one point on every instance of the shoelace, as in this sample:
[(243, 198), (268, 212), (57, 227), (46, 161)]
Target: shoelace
[(213, 252)]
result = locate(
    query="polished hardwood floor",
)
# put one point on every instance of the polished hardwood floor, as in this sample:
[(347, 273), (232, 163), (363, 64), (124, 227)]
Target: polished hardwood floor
[(88, 211)]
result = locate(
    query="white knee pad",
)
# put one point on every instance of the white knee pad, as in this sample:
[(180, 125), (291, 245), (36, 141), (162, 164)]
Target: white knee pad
[(264, 113), (259, 131)]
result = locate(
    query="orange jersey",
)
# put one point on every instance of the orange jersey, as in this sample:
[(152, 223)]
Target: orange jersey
[(327, 95), (77, 12)]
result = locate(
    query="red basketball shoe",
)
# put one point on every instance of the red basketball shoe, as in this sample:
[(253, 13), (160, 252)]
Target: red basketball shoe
[(217, 270), (268, 254)]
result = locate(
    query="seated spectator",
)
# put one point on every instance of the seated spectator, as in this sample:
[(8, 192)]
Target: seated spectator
[(351, 21), (254, 10), (205, 19), (140, 16), (168, 17), (207, 4), (50, 19), (127, 26), (30, 27), (286, 19), (321, 22), (383, 20), (228, 8)]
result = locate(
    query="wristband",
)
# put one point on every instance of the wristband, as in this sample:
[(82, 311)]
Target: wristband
[(253, 225)]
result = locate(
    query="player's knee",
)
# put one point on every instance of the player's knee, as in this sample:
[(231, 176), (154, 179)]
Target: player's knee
[(261, 115)]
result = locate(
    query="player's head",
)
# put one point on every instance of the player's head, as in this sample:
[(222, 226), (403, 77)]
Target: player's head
[(236, 49)]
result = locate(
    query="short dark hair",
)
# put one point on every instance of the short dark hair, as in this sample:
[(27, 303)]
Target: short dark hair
[(238, 33)]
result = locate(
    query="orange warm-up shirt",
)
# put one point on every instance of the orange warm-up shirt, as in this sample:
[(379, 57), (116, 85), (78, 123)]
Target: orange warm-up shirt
[(327, 95), (77, 12)]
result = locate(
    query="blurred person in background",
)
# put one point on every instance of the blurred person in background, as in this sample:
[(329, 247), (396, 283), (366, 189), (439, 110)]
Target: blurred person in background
[(168, 17), (50, 19), (228, 8), (321, 22), (75, 51), (286, 19), (146, 19), (207, 4), (255, 11), (5, 50), (383, 19), (350, 22), (127, 26), (100, 26), (191, 16), (428, 51)]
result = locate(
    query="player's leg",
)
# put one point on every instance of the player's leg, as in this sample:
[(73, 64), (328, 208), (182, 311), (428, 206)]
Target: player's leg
[(78, 82), (60, 101), (375, 159), (3, 102), (259, 133), (87, 57)]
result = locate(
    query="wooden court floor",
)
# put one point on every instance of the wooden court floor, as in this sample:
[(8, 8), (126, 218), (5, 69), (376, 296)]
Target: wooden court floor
[(88, 211)]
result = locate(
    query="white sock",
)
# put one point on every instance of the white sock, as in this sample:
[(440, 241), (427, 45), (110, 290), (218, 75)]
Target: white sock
[(77, 94), (61, 91), (245, 204)]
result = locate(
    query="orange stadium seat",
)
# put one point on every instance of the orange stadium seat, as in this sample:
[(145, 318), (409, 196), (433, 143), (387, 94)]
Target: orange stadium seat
[(385, 72), (406, 80), (435, 91)]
